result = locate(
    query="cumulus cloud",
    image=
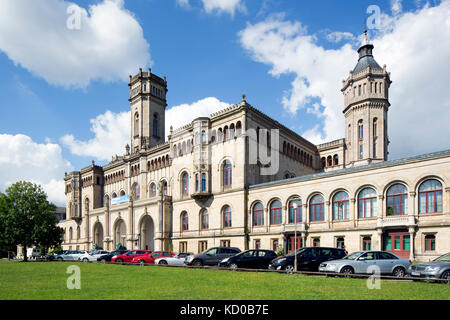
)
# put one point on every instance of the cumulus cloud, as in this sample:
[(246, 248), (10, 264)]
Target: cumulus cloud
[(218, 6), (112, 130), (22, 159), (70, 46), (111, 134), (413, 45)]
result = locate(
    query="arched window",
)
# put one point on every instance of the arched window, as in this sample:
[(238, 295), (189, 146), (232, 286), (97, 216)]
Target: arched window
[(258, 214), (155, 125), (114, 195), (136, 192), (367, 203), (185, 183), (341, 206), (78, 233), (430, 196), (360, 130), (336, 160), (227, 217), (226, 133), (324, 162), (316, 208), (203, 136), (204, 218), (164, 188), (397, 200), (329, 161), (227, 173), (238, 128), (375, 127), (122, 193), (175, 151), (293, 211), (136, 124), (276, 212), (232, 131), (213, 136), (70, 233), (153, 190), (219, 135), (184, 221), (203, 182)]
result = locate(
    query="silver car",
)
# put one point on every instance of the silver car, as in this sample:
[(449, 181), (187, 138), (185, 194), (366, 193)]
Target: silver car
[(368, 262), (438, 268)]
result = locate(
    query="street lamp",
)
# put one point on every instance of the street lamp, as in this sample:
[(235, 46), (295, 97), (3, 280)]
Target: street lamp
[(295, 235)]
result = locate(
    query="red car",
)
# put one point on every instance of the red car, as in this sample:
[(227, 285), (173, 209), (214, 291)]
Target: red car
[(151, 257), (127, 257)]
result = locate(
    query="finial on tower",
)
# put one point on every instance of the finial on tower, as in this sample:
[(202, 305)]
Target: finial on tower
[(243, 97), (366, 38)]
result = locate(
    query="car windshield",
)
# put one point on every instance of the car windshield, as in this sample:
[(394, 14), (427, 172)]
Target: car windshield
[(293, 253), (445, 257), (352, 256)]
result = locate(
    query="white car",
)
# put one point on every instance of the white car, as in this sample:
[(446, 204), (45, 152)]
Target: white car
[(92, 257), (177, 260)]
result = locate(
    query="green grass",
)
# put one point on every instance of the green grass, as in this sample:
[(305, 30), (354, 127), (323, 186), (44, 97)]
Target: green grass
[(35, 280)]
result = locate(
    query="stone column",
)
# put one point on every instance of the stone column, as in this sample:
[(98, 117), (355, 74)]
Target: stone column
[(328, 214), (86, 229), (380, 239), (411, 204), (353, 217), (266, 219), (411, 241), (306, 214), (446, 200)]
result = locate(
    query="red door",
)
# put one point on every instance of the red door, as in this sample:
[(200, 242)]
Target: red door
[(397, 242), (291, 243)]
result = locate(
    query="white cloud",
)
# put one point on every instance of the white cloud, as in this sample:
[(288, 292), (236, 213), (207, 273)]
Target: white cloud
[(22, 159), (337, 36), (111, 134), (413, 45), (108, 45), (396, 6), (218, 6), (112, 130)]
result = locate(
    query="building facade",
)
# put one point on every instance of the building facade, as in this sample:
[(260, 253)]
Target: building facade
[(239, 178)]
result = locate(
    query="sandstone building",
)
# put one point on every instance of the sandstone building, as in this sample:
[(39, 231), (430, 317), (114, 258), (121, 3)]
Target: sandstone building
[(213, 183)]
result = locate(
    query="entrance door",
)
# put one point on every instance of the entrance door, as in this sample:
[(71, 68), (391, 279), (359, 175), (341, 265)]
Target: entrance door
[(397, 242), (291, 243)]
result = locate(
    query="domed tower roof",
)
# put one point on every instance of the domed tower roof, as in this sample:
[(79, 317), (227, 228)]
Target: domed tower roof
[(366, 58)]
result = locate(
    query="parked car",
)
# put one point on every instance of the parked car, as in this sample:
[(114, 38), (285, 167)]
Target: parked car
[(177, 260), (211, 257), (128, 256), (152, 256), (33, 253), (92, 256), (438, 268), (251, 259), (70, 255), (362, 261), (108, 257), (308, 259)]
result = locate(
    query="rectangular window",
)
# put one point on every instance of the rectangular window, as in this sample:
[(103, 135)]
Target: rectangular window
[(257, 244), (316, 242), (367, 243), (202, 246), (203, 182), (275, 245), (397, 243), (183, 246), (225, 243)]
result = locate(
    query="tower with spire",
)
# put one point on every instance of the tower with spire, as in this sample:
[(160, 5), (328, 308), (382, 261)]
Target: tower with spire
[(366, 105)]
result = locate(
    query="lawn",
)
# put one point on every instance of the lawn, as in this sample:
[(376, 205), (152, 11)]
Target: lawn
[(47, 280)]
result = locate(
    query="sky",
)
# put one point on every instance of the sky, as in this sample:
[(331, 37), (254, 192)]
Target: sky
[(64, 68)]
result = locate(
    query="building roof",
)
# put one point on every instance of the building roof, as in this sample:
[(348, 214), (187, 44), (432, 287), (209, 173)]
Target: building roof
[(366, 59), (390, 163)]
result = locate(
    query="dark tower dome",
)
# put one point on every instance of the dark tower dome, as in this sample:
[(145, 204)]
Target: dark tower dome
[(366, 58)]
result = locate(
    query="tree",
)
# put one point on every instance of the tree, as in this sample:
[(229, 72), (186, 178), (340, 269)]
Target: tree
[(27, 218)]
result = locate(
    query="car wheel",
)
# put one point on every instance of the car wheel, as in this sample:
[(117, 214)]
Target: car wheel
[(162, 262), (197, 263), (60, 259), (399, 272), (119, 260), (141, 262), (347, 270), (289, 269), (103, 261), (233, 266), (85, 260), (446, 275)]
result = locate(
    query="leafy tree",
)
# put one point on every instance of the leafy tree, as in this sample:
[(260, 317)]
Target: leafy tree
[(27, 218)]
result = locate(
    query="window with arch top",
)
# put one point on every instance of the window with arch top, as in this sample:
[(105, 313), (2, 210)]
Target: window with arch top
[(184, 221), (185, 183), (227, 217), (276, 212), (227, 173), (367, 201), (317, 208), (397, 200), (204, 219), (258, 214), (153, 190), (293, 211), (341, 206), (430, 196), (136, 124)]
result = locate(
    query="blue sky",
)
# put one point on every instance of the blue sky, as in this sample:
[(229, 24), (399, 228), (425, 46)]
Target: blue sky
[(280, 53)]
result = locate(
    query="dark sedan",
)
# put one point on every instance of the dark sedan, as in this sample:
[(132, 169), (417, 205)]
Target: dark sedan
[(438, 268), (108, 257), (250, 259)]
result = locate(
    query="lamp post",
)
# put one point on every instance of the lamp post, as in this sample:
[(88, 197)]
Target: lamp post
[(295, 235)]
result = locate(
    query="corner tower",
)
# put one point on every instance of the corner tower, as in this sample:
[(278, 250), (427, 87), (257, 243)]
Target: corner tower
[(366, 100), (148, 105)]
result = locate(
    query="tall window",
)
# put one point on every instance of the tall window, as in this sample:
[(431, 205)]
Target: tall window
[(340, 243), (204, 219), (227, 173), (375, 127), (360, 130), (341, 206), (136, 124), (184, 221), (258, 214), (227, 217), (164, 186), (316, 208), (276, 212), (430, 242), (155, 125), (153, 190), (197, 183), (203, 136), (430, 196), (367, 243), (185, 183), (397, 200), (367, 200), (136, 192), (293, 212), (203, 182)]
